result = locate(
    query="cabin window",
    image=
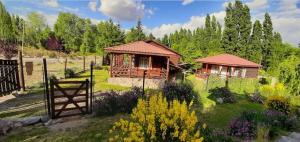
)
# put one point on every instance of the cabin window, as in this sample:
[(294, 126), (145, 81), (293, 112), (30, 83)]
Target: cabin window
[(143, 62)]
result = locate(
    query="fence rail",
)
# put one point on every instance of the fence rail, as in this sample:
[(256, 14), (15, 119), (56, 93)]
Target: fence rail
[(9, 77)]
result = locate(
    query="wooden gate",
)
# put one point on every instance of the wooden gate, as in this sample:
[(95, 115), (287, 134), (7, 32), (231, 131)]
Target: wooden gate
[(9, 76), (68, 98)]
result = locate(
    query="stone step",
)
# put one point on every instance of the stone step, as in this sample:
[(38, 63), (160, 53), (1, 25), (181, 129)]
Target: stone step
[(295, 135)]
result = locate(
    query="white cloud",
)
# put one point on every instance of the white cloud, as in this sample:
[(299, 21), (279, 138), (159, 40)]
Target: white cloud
[(257, 4), (51, 3), (192, 24), (186, 2), (127, 10), (93, 5)]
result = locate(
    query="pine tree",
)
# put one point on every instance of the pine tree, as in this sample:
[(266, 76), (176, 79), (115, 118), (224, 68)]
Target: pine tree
[(165, 40), (230, 35), (208, 27), (6, 29), (245, 31), (136, 33), (151, 37), (255, 50), (267, 41)]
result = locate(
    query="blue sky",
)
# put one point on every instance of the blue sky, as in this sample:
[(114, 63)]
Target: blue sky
[(163, 17)]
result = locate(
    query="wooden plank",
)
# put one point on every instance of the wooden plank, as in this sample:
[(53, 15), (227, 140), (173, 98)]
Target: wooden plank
[(62, 96), (66, 102), (69, 82)]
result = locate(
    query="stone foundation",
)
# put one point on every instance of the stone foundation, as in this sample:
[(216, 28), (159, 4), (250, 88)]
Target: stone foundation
[(131, 82)]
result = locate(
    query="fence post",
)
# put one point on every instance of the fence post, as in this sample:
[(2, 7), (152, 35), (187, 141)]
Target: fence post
[(144, 75), (91, 85), (46, 85), (66, 61), (52, 98), (21, 70), (83, 63)]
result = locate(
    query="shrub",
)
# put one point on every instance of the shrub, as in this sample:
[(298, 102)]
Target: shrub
[(279, 103), (263, 81), (179, 91), (213, 135), (157, 120), (69, 73), (111, 102), (224, 93), (279, 119), (242, 128), (256, 98)]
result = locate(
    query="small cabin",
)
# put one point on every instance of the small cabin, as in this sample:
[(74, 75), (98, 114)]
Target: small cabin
[(130, 62), (226, 65)]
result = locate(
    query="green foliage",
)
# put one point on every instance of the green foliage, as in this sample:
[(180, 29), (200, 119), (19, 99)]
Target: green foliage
[(262, 133), (69, 28), (69, 73), (87, 45), (179, 91), (289, 74), (156, 120), (135, 33), (34, 30), (279, 103), (6, 29), (222, 93), (109, 34)]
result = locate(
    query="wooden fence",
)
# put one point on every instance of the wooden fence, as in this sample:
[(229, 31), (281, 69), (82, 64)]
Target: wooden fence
[(9, 77), (71, 100)]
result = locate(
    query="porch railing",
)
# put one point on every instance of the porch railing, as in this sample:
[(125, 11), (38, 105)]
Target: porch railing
[(126, 71)]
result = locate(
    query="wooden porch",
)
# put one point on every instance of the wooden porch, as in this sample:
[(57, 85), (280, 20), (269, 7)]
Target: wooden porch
[(135, 65)]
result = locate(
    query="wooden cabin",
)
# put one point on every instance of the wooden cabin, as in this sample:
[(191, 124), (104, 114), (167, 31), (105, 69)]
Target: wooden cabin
[(226, 65), (130, 61)]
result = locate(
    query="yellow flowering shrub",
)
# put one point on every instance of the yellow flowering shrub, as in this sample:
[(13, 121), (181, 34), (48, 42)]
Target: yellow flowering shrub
[(268, 90), (156, 120), (279, 103)]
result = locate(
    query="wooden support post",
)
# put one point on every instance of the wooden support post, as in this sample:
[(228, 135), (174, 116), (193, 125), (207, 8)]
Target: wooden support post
[(91, 85), (66, 61), (130, 65), (144, 75), (84, 63), (87, 95), (168, 67), (95, 60), (46, 86), (111, 63), (52, 98), (21, 70), (206, 68)]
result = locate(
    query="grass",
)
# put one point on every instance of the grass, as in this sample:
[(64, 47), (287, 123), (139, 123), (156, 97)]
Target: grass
[(219, 116), (97, 129), (33, 100)]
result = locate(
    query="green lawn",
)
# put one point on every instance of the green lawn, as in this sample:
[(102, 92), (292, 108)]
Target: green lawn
[(220, 115)]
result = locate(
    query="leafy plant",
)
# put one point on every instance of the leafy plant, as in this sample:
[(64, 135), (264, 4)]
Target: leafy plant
[(157, 120), (179, 91), (8, 49), (256, 98), (224, 93), (279, 103), (262, 133), (69, 73), (112, 102), (242, 128)]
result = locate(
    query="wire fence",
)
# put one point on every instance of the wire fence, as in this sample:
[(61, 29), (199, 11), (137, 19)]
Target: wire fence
[(33, 67)]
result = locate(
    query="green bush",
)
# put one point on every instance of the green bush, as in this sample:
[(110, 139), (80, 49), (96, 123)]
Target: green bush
[(222, 93), (279, 103), (69, 73), (179, 91)]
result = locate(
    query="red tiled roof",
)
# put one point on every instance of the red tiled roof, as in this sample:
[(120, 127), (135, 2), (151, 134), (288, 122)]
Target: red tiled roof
[(142, 47), (229, 60)]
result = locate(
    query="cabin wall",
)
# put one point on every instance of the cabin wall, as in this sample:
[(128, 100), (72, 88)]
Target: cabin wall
[(252, 72)]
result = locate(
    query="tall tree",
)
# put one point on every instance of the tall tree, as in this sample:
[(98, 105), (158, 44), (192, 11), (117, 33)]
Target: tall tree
[(230, 35), (165, 40), (108, 34), (136, 33), (33, 30), (69, 28), (151, 37), (88, 39), (6, 29), (255, 47), (18, 26), (267, 41)]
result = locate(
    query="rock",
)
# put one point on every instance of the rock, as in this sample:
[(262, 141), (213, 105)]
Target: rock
[(17, 124), (31, 120), (49, 122), (220, 100), (295, 135), (44, 119), (5, 126)]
